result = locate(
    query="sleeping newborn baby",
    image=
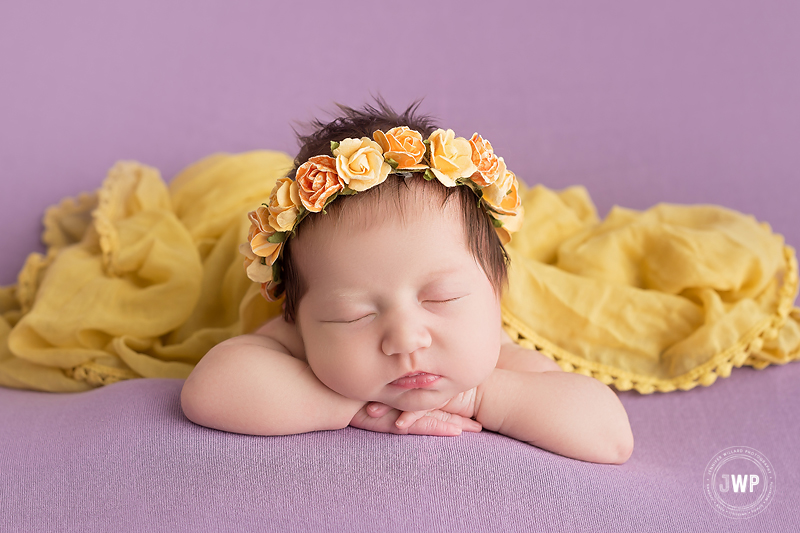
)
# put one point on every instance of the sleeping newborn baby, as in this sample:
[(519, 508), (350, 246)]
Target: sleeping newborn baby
[(392, 267)]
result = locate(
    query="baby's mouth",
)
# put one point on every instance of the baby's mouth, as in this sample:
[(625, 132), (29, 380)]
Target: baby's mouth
[(415, 380)]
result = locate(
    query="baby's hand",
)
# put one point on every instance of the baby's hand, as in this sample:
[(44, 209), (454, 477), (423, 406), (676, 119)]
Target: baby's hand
[(449, 419), (435, 422)]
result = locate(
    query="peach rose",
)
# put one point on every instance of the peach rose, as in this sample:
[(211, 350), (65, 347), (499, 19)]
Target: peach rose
[(404, 145), (284, 202), (360, 164), (511, 224), (503, 194), (451, 157), (317, 181), (260, 234), (252, 264), (268, 291), (485, 160)]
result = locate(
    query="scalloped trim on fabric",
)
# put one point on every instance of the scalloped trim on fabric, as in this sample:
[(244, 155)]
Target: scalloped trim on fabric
[(53, 236), (30, 276), (98, 375), (121, 180), (747, 351)]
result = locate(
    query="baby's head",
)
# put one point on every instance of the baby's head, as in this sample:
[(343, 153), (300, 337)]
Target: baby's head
[(403, 277)]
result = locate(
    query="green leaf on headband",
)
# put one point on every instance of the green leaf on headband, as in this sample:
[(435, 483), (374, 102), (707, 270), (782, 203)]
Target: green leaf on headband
[(404, 174), (472, 185), (276, 272), (348, 191), (278, 236), (392, 163), (429, 175), (426, 157), (263, 260), (334, 146), (497, 223)]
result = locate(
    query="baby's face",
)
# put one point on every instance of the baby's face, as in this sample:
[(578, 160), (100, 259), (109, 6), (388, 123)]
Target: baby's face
[(388, 299)]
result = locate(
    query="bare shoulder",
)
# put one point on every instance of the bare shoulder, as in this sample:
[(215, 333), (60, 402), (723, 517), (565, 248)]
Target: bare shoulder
[(275, 331), (515, 357)]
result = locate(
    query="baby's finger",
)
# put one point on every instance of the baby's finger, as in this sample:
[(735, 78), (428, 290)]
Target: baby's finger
[(377, 409), (468, 424), (434, 426), (408, 418)]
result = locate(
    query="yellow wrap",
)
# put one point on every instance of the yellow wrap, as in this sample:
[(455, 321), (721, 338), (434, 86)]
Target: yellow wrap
[(141, 279)]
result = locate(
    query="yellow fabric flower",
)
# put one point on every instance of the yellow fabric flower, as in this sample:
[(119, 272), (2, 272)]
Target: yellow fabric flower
[(259, 234), (284, 201), (360, 164), (451, 157), (403, 145), (503, 195), (252, 264), (511, 224)]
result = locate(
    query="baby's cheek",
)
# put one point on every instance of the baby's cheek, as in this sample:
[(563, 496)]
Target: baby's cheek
[(483, 348), (340, 374)]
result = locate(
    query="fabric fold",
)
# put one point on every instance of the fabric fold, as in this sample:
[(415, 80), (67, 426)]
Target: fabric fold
[(140, 279)]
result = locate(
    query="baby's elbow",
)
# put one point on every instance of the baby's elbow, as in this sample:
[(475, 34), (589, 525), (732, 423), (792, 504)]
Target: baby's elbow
[(192, 404), (621, 441), (624, 449)]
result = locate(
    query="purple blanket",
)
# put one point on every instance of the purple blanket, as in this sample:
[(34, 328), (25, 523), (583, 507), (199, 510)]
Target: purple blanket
[(123, 457)]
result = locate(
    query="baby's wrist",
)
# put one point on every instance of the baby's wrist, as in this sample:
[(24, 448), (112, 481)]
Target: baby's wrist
[(487, 393)]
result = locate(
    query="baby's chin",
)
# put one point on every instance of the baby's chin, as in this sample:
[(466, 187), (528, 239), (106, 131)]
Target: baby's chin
[(420, 400)]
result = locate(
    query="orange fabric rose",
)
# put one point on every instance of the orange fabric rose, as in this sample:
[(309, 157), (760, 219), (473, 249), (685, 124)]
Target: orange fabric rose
[(317, 181), (259, 234), (268, 291), (451, 157), (360, 164), (483, 157), (284, 201), (403, 145)]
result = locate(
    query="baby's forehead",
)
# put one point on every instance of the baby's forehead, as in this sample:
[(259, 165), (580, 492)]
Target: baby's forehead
[(391, 204)]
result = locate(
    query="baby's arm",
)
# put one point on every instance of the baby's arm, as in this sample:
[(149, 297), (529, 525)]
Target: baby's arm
[(260, 384), (566, 413), (252, 384)]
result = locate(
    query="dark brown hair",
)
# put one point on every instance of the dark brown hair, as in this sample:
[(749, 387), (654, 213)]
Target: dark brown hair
[(483, 242)]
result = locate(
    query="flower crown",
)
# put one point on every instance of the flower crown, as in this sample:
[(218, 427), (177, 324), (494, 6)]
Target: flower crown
[(360, 164)]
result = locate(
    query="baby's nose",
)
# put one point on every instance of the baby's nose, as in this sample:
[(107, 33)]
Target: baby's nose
[(405, 334)]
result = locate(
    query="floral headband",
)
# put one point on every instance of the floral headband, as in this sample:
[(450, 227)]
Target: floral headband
[(360, 164)]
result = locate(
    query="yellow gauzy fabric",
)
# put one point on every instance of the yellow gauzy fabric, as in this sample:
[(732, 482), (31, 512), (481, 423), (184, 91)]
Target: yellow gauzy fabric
[(141, 279), (658, 300)]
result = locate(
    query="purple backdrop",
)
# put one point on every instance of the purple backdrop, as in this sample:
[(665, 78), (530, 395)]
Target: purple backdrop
[(682, 101)]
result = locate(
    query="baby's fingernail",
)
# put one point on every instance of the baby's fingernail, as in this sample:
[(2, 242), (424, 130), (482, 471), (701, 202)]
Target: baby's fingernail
[(372, 407), (400, 423), (472, 425)]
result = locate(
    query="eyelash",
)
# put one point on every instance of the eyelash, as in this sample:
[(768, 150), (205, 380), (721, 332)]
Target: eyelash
[(443, 301), (431, 301)]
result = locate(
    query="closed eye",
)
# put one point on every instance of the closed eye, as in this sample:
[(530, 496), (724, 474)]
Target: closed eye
[(444, 301), (349, 321)]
